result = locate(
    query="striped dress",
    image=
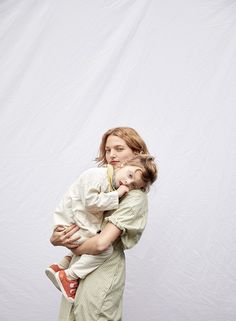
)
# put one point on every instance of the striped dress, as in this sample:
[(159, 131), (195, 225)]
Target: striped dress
[(99, 295)]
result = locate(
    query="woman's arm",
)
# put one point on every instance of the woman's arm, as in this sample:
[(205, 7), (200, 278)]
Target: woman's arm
[(99, 242), (129, 217)]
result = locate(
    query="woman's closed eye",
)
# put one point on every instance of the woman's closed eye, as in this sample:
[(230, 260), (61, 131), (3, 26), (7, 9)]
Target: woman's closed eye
[(119, 149)]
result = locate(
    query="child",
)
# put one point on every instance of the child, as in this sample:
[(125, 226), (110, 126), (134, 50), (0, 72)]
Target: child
[(95, 191)]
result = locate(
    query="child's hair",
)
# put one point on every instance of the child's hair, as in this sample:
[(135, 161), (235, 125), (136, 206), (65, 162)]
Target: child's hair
[(148, 168)]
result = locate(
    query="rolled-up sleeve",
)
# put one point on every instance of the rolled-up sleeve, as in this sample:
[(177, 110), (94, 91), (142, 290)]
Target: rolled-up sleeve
[(131, 217)]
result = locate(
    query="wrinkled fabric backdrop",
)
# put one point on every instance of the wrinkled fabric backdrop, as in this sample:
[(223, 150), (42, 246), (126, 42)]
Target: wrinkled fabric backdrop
[(70, 70)]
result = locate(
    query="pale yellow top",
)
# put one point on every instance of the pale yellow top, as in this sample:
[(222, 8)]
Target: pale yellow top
[(99, 296)]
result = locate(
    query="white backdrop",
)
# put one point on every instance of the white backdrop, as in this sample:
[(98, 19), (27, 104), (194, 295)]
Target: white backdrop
[(72, 69)]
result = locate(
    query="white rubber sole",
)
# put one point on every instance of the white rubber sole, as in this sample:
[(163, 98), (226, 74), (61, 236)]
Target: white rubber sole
[(51, 275)]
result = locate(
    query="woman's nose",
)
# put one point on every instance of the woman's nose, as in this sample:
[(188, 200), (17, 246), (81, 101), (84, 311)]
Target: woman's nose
[(112, 154)]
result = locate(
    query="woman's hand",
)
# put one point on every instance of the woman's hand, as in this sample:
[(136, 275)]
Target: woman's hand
[(62, 236)]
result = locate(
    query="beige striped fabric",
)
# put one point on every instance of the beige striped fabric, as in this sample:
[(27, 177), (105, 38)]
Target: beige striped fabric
[(99, 296)]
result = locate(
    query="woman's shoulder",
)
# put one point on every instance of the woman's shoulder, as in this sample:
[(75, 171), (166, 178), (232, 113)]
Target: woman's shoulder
[(137, 194), (135, 198)]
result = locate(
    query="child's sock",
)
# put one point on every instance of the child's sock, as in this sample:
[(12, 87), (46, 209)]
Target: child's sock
[(71, 275)]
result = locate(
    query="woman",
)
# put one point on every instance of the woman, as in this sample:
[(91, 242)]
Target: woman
[(99, 297)]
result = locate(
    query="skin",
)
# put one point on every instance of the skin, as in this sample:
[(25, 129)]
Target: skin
[(129, 176), (117, 152)]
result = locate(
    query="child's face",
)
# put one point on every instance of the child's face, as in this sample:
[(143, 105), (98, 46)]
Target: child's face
[(129, 176)]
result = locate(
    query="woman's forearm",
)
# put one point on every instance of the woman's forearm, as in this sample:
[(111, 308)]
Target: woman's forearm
[(90, 247), (99, 242)]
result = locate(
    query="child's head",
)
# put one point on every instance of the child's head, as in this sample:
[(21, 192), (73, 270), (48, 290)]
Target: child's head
[(137, 173)]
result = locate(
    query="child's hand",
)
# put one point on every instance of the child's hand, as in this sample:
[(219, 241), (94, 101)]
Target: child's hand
[(122, 190)]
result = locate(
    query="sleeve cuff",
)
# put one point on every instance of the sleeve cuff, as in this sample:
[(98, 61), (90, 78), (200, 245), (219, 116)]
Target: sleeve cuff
[(114, 221)]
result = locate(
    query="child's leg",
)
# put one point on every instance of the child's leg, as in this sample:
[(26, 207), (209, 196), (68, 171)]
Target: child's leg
[(65, 262), (56, 267), (87, 264), (68, 280)]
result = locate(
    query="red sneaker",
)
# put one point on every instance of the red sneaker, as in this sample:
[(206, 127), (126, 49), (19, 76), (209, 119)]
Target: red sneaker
[(50, 272), (68, 287)]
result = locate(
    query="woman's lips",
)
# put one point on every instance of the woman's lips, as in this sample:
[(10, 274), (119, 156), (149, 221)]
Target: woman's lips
[(114, 162)]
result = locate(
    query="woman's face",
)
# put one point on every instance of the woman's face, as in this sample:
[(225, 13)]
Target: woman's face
[(117, 151)]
